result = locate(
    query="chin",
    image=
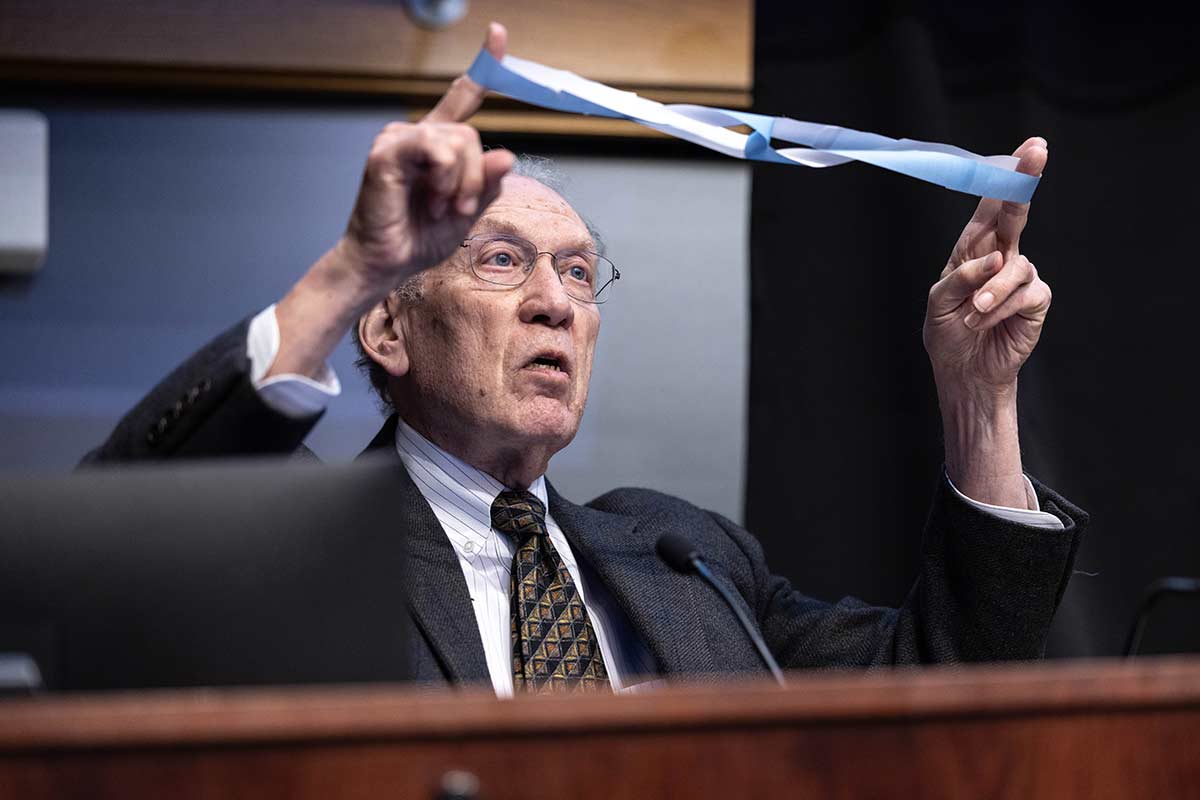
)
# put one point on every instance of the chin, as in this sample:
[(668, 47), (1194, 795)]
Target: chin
[(547, 422)]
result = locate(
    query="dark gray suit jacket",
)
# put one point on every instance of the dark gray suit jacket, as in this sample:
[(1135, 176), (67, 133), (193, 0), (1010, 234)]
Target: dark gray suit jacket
[(987, 588)]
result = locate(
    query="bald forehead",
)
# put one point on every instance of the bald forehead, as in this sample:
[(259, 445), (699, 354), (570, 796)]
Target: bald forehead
[(522, 195)]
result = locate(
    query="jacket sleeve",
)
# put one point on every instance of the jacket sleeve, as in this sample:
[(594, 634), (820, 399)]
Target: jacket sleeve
[(206, 407), (987, 590)]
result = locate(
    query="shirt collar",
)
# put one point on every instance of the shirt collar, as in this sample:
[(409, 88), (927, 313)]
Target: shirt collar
[(473, 487)]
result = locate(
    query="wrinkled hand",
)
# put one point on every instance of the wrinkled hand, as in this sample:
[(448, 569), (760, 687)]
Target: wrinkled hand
[(986, 312), (424, 186)]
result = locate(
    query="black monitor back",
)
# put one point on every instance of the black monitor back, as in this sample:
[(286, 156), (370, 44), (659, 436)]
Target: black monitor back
[(213, 574)]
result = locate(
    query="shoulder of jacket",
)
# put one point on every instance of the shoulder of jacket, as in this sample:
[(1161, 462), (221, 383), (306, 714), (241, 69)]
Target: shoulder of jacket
[(639, 502)]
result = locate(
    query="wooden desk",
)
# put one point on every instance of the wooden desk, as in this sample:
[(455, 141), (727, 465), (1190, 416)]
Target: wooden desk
[(1055, 730)]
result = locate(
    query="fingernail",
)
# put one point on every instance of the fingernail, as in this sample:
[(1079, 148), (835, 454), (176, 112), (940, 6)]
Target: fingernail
[(993, 264), (972, 319), (984, 301), (467, 205)]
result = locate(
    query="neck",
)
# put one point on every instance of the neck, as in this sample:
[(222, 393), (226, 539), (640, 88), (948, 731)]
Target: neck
[(517, 467)]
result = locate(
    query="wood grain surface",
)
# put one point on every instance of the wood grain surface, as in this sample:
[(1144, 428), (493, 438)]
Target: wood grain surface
[(699, 51), (1087, 729)]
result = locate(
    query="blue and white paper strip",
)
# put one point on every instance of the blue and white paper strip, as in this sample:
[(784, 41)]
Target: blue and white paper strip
[(825, 145)]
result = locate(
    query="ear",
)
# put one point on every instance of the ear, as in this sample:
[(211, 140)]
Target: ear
[(381, 332)]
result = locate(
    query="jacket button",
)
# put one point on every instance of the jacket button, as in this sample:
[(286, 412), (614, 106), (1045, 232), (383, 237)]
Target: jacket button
[(162, 425)]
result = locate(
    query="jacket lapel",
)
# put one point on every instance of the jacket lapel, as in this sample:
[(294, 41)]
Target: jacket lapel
[(437, 592), (659, 602)]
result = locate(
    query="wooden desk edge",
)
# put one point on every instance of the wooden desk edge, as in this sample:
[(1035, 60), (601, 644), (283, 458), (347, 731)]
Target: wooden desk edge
[(199, 716)]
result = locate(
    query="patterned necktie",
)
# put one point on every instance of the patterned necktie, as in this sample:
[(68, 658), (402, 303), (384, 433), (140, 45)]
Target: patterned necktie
[(554, 647)]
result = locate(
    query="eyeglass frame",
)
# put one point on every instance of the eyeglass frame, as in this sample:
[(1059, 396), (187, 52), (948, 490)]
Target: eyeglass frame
[(616, 273)]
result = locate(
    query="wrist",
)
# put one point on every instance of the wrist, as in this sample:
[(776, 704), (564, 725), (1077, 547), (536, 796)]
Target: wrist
[(982, 442), (347, 280), (317, 312), (959, 385)]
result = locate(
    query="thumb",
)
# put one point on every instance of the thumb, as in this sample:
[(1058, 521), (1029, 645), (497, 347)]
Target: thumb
[(950, 292), (464, 96)]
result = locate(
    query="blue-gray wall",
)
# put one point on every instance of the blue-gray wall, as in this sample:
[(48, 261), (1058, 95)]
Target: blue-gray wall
[(168, 225)]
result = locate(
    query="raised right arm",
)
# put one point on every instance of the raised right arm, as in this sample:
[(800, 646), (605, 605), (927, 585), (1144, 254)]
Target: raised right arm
[(423, 187)]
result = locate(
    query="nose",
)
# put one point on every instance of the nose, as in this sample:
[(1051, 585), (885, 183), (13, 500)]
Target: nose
[(545, 300)]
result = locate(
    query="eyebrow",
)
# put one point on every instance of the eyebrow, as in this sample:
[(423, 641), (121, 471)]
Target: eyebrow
[(500, 226)]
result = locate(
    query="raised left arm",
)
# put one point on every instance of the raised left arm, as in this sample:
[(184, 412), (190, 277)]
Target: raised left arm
[(984, 317)]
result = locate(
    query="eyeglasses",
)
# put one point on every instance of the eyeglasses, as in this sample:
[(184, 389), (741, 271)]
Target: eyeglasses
[(509, 260)]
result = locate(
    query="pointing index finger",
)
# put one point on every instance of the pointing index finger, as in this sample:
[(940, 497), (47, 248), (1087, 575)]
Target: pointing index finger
[(464, 96), (1033, 155)]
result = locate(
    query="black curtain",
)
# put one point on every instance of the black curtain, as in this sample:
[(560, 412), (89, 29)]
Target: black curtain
[(845, 437)]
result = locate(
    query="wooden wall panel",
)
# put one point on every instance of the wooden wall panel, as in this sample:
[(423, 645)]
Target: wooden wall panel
[(697, 51)]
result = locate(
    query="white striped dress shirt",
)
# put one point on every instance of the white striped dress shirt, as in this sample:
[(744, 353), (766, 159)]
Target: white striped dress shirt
[(461, 497)]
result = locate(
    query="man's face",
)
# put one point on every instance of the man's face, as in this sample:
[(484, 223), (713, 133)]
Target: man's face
[(472, 345)]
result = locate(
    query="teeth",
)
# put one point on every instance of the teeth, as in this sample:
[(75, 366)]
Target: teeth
[(543, 365)]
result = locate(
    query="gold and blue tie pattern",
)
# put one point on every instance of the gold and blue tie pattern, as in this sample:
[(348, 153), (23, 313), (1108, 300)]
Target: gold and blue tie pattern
[(554, 647)]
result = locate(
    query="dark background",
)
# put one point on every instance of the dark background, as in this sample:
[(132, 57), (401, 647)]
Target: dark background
[(843, 414)]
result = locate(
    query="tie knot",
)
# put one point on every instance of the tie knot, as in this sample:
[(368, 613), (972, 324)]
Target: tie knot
[(518, 513)]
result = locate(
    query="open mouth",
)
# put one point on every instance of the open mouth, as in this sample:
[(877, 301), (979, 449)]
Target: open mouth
[(550, 361), (546, 363)]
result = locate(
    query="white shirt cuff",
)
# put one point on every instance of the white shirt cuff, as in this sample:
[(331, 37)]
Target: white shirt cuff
[(295, 396), (1034, 517)]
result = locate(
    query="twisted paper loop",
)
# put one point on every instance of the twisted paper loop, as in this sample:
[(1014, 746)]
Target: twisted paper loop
[(825, 145)]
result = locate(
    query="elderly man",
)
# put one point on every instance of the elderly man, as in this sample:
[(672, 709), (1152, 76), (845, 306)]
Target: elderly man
[(485, 353)]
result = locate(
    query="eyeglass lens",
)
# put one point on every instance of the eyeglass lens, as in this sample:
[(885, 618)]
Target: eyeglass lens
[(508, 261)]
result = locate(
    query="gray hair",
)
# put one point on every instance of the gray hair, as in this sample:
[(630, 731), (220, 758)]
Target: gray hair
[(548, 174), (537, 168)]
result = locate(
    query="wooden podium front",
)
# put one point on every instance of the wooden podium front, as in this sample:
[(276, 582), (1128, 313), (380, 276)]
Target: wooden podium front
[(1055, 730)]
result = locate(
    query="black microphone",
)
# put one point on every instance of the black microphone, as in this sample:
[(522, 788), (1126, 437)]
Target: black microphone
[(682, 556)]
